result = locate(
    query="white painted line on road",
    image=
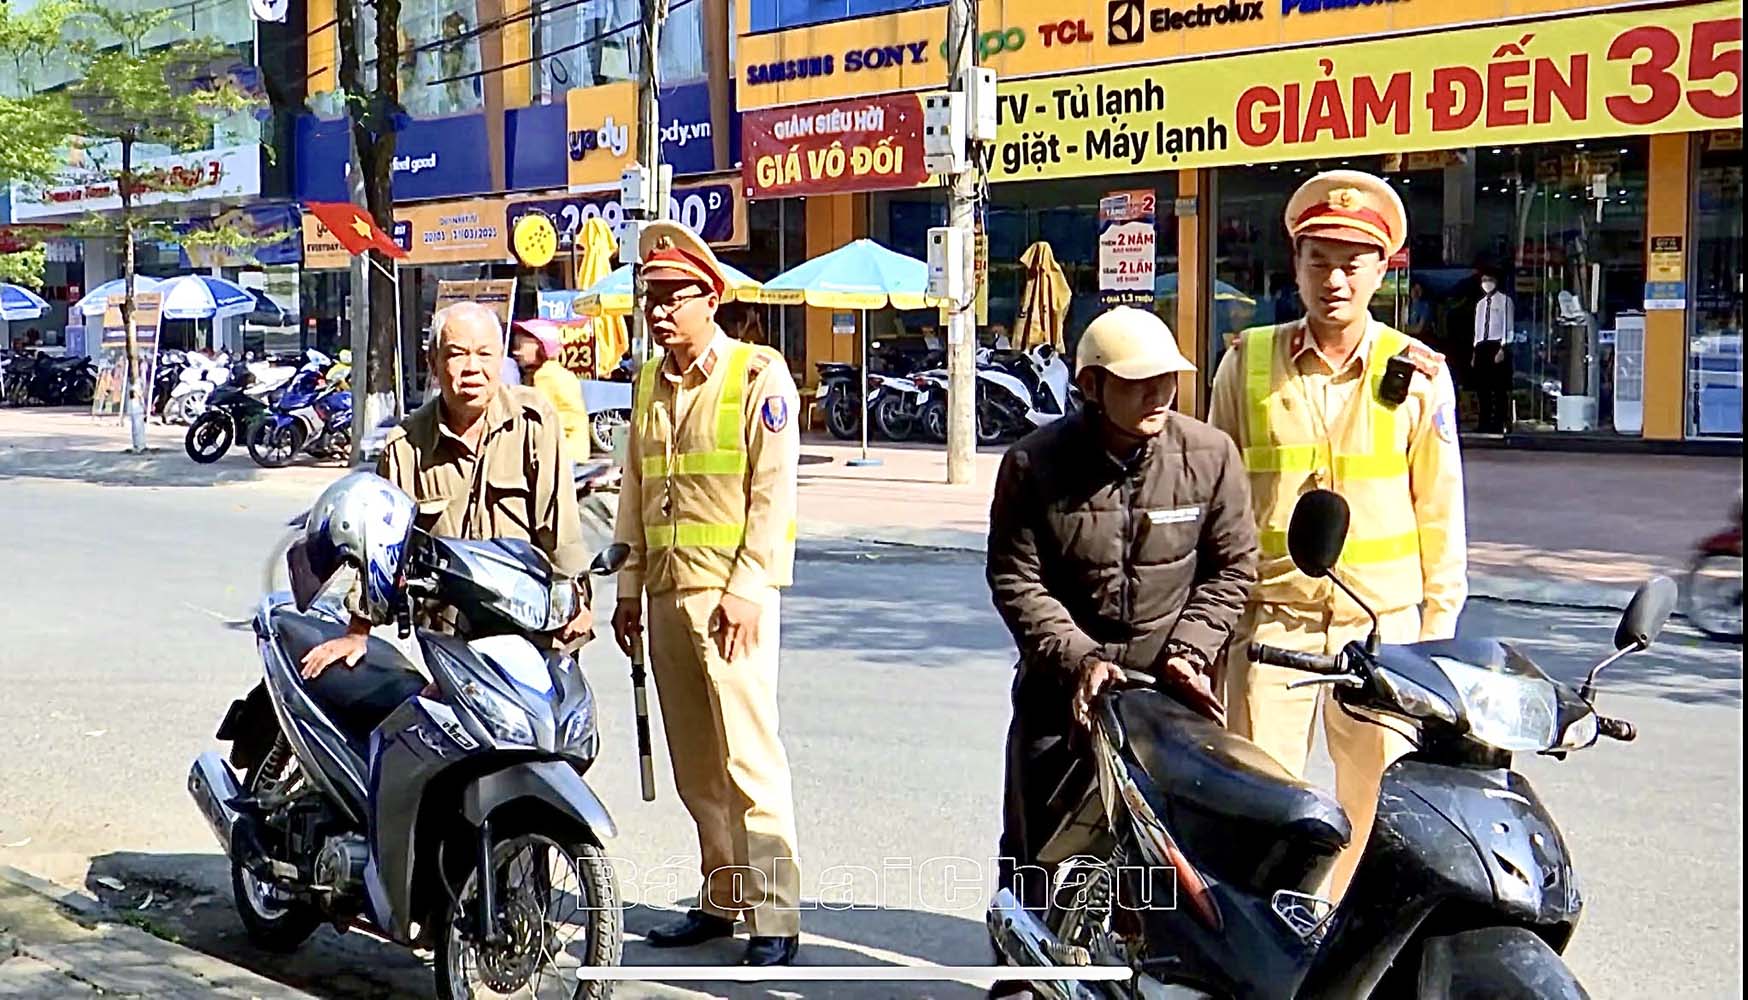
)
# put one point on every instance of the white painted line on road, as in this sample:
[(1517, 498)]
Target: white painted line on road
[(980, 975)]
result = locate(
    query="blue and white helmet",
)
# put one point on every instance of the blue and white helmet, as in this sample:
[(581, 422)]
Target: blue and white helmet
[(362, 520)]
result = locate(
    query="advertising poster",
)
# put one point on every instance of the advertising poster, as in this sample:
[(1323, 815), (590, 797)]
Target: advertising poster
[(862, 144), (1627, 72), (1128, 240), (112, 353), (712, 207)]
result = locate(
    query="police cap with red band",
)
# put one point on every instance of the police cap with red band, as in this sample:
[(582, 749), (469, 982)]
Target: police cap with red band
[(1351, 206)]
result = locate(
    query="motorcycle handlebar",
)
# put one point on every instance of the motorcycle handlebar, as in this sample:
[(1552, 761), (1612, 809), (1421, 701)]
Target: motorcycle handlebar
[(1315, 663), (1616, 729)]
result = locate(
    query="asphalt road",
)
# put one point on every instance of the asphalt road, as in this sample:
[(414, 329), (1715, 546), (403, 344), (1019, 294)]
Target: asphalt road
[(123, 615)]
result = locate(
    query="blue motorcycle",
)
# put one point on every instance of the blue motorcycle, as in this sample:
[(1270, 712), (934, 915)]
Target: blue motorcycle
[(312, 415)]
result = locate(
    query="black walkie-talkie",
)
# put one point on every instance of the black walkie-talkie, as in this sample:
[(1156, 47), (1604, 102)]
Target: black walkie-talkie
[(1393, 387)]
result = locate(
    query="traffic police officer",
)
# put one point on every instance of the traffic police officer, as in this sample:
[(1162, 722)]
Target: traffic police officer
[(708, 508), (1314, 404)]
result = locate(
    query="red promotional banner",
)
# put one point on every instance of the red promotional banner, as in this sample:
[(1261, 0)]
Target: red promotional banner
[(859, 144)]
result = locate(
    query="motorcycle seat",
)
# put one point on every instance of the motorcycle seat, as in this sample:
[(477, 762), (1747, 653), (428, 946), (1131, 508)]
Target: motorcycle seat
[(1213, 777), (356, 698)]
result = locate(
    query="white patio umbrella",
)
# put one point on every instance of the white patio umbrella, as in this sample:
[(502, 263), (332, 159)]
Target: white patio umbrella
[(96, 301), (18, 302)]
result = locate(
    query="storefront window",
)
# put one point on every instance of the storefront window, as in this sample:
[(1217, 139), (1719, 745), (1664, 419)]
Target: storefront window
[(1714, 355), (589, 44), (440, 56), (775, 15), (1558, 228), (780, 243), (1064, 214)]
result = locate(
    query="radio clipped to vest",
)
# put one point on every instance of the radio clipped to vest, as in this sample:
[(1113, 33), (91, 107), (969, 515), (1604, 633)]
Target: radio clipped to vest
[(1393, 385)]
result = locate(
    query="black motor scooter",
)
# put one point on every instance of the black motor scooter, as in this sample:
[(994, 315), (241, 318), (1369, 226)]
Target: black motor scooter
[(1195, 859)]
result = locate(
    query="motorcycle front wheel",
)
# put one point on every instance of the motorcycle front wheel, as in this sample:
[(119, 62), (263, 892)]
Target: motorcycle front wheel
[(273, 447), (81, 392), (209, 437), (1714, 596), (1494, 963), (558, 912), (896, 420)]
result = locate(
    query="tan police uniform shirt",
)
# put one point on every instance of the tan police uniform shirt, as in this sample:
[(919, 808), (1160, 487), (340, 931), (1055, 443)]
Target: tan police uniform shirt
[(1434, 458), (766, 556), (517, 485)]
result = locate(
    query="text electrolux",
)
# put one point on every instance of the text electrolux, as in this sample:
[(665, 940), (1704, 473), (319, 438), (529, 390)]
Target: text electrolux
[(1163, 19), (854, 61), (1320, 6)]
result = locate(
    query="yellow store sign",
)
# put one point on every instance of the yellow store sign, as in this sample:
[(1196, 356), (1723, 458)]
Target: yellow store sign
[(1018, 38), (601, 133), (1647, 71)]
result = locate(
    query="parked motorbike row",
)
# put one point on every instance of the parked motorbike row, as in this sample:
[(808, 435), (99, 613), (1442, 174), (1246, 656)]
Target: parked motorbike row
[(275, 414), (1016, 392), (36, 378)]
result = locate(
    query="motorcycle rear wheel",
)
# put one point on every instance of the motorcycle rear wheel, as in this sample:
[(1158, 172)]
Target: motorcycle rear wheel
[(934, 421), (274, 920), (1713, 596), (209, 437), (82, 391), (602, 425), (531, 961)]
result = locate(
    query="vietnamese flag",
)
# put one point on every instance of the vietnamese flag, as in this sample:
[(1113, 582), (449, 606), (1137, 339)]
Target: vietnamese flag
[(353, 227)]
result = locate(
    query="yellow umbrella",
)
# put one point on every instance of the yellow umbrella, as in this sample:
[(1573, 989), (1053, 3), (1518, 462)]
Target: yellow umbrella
[(1044, 306), (596, 248)]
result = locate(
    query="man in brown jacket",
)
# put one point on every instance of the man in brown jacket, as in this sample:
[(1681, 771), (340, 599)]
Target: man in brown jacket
[(1119, 536)]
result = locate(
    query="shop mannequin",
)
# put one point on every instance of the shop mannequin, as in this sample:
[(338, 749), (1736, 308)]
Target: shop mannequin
[(1491, 365)]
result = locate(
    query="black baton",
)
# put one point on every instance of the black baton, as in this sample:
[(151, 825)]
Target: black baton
[(645, 759)]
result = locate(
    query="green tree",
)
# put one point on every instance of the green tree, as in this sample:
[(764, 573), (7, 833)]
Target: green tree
[(133, 92), (33, 126)]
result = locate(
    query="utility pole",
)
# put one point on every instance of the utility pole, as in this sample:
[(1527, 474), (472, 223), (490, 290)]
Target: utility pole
[(962, 215), (653, 200), (359, 314)]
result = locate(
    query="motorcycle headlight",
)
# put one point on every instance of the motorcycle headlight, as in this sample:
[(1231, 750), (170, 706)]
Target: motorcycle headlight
[(1414, 699), (562, 604), (1505, 711), (505, 718)]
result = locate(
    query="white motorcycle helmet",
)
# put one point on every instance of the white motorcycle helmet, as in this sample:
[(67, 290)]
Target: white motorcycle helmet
[(365, 521)]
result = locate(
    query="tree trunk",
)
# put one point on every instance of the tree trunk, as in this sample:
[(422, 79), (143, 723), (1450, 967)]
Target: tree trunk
[(133, 392), (373, 138)]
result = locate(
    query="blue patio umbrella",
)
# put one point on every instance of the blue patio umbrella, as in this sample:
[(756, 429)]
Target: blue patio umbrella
[(18, 302), (202, 296), (861, 275), (96, 301)]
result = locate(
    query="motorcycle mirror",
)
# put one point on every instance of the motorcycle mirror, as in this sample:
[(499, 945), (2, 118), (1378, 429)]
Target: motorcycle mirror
[(1646, 614), (1317, 531), (610, 559)]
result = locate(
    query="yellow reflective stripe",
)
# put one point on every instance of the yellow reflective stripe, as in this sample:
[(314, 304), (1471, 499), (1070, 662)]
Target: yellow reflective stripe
[(697, 463), (1287, 458), (730, 413), (1259, 371), (1356, 551), (693, 535), (646, 386)]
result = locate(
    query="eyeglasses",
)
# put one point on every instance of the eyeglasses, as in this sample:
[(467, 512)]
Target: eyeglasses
[(672, 302)]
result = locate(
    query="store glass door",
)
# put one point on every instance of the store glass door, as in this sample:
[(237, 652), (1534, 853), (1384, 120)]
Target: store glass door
[(1714, 354)]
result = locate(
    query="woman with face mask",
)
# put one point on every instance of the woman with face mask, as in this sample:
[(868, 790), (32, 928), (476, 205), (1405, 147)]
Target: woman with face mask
[(1491, 365)]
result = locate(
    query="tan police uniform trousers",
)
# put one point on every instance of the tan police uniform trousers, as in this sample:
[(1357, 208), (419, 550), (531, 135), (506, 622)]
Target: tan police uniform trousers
[(729, 765), (1260, 708)]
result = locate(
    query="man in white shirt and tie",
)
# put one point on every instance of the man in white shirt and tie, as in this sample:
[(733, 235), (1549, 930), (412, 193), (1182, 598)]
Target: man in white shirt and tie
[(1491, 364)]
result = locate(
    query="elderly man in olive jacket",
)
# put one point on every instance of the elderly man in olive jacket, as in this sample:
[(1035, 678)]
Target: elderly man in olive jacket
[(1119, 537)]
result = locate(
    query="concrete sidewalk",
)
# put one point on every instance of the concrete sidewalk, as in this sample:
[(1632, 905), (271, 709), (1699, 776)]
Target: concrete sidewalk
[(58, 943), (1558, 528)]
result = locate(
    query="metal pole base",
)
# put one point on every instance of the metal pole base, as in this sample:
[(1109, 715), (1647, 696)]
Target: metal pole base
[(862, 463)]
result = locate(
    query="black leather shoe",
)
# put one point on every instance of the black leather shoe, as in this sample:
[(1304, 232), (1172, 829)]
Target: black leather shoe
[(696, 927), (771, 950)]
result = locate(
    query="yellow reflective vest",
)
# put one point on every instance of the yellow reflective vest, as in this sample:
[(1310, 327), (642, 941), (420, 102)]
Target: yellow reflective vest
[(1397, 465), (708, 498)]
